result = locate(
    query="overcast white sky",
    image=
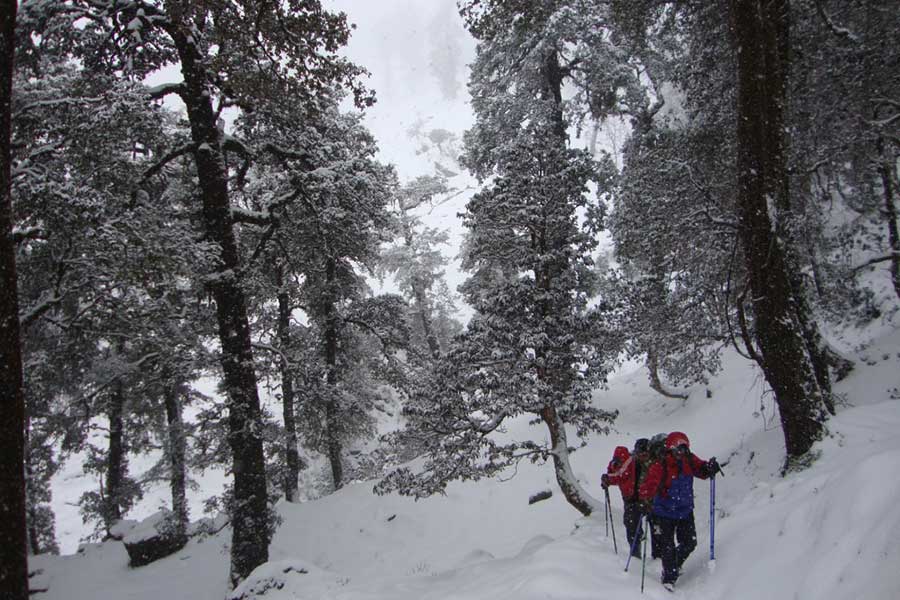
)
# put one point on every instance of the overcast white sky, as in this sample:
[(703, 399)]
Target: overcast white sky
[(417, 53)]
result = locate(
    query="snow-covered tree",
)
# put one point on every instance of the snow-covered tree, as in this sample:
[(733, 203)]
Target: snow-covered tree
[(230, 54), (680, 183), (321, 244), (533, 347), (417, 264)]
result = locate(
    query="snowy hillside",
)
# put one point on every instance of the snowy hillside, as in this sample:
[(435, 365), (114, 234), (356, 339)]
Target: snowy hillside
[(826, 533)]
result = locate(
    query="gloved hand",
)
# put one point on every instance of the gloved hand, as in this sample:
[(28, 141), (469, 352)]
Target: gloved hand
[(604, 481), (645, 507), (713, 467)]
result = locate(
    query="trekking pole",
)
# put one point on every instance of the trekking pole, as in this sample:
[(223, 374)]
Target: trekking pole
[(712, 521), (609, 518), (606, 512), (646, 532), (634, 543)]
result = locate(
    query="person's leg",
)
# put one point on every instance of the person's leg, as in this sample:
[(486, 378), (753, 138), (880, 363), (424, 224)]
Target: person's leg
[(686, 534), (654, 547), (664, 529), (632, 524)]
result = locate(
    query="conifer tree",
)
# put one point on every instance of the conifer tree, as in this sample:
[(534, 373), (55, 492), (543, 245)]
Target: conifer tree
[(230, 54), (532, 347)]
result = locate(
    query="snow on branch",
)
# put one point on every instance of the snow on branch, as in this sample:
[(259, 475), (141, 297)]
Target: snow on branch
[(161, 91), (875, 261), (187, 148), (839, 31), (32, 233), (487, 425), (284, 154), (36, 311), (236, 145), (56, 102), (253, 217)]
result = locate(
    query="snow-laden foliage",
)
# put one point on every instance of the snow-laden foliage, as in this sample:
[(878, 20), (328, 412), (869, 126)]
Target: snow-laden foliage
[(243, 55), (533, 346), (417, 262), (323, 200)]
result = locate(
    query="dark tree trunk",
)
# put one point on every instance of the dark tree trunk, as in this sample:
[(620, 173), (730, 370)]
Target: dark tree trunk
[(291, 456), (332, 409), (250, 530), (890, 214), (115, 458), (425, 319), (776, 32), (13, 537), (759, 30), (34, 545), (177, 456), (420, 294)]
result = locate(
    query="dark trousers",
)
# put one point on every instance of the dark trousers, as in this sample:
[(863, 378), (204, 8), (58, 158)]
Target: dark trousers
[(633, 525), (675, 540)]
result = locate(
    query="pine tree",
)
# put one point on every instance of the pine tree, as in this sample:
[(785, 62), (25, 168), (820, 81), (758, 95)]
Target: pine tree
[(324, 200), (532, 347), (417, 264), (230, 54)]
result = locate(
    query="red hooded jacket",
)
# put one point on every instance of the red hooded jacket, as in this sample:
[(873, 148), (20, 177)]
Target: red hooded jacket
[(671, 502), (621, 472)]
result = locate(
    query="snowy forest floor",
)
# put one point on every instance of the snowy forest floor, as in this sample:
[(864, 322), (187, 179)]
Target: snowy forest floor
[(827, 533)]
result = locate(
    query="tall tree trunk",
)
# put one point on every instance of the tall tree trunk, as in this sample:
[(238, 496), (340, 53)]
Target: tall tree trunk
[(425, 319), (292, 458), (776, 32), (332, 409), (545, 275), (13, 537), (115, 458), (177, 445), (658, 294), (34, 545), (420, 295), (787, 363), (885, 166), (250, 529)]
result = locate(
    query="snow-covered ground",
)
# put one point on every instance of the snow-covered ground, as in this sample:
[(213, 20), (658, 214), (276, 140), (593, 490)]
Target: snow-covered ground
[(827, 533)]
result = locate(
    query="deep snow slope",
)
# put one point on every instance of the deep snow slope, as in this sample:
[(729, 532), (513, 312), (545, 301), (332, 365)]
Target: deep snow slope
[(828, 532)]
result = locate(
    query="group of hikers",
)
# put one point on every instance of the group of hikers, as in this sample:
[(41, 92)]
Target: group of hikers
[(657, 481)]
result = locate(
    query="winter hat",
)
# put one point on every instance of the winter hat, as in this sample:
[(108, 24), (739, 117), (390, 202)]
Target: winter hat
[(621, 454), (675, 439), (641, 445)]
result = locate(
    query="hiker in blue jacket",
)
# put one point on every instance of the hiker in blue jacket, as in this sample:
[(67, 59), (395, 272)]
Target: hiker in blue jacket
[(667, 494)]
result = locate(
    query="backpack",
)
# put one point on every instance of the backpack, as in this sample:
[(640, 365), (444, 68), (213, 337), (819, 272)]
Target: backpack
[(658, 446)]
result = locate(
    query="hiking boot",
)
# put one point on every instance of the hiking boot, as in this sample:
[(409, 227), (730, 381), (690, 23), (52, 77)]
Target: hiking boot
[(670, 587)]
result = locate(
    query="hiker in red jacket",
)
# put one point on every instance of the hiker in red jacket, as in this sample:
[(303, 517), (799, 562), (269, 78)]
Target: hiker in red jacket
[(624, 470), (667, 494)]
